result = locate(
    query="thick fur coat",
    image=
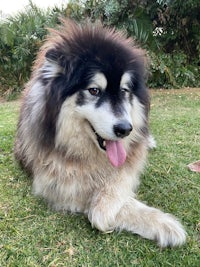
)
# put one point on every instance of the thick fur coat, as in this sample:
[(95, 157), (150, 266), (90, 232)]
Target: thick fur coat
[(83, 130)]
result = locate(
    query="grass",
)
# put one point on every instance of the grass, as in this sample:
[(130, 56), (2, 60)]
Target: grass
[(33, 235)]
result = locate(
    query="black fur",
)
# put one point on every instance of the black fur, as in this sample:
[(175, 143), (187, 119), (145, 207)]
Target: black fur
[(79, 59)]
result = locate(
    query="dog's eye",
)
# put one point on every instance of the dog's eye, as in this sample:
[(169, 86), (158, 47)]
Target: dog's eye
[(125, 90), (94, 91)]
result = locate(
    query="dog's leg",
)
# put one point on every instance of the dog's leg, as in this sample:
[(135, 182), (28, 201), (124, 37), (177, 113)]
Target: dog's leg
[(107, 201), (103, 210), (138, 218), (150, 223)]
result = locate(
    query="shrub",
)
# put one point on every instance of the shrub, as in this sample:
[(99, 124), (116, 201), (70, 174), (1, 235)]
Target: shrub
[(20, 38), (151, 23), (172, 70)]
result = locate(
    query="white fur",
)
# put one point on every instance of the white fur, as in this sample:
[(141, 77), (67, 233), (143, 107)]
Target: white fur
[(150, 223), (92, 186), (137, 113), (36, 97), (82, 179), (103, 121), (51, 69), (104, 118), (152, 142), (125, 81), (99, 81)]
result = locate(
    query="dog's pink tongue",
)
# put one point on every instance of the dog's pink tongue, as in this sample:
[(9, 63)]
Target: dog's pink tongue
[(115, 152)]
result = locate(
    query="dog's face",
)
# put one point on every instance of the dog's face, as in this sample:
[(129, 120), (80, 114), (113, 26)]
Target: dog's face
[(109, 113), (112, 111), (107, 105), (105, 78)]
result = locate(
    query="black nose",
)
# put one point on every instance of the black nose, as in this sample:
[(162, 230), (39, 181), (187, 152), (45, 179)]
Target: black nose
[(122, 129)]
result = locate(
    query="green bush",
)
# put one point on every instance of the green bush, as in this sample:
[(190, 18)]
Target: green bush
[(174, 63), (20, 38), (172, 71)]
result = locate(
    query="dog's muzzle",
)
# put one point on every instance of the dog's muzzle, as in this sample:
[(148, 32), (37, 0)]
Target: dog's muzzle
[(115, 150)]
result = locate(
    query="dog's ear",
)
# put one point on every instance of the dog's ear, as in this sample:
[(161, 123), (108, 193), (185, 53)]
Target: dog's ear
[(57, 63), (56, 57), (52, 65), (52, 55)]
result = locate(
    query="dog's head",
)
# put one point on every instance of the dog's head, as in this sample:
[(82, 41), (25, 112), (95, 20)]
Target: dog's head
[(103, 72)]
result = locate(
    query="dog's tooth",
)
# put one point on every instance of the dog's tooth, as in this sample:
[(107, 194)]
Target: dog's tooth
[(104, 143)]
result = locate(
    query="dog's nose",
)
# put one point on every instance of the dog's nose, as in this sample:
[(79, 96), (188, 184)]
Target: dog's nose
[(122, 129)]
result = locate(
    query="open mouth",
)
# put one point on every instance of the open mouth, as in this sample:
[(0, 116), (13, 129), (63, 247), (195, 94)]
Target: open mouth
[(114, 149), (101, 141)]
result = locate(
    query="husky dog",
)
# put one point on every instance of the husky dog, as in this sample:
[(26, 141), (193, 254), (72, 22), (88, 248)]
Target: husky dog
[(83, 130)]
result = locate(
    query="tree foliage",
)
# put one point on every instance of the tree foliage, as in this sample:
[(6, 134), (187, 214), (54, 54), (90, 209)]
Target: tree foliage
[(20, 38), (170, 24), (167, 29), (180, 21)]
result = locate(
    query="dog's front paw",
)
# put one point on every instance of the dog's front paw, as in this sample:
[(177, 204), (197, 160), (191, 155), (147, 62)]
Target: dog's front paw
[(169, 231), (101, 219)]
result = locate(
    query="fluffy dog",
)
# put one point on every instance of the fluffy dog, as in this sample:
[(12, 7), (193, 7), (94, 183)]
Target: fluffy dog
[(83, 130)]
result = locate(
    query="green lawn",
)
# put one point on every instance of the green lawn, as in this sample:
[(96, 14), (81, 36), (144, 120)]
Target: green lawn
[(33, 235)]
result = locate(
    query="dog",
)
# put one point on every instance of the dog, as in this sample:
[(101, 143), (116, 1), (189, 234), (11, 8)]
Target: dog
[(83, 130)]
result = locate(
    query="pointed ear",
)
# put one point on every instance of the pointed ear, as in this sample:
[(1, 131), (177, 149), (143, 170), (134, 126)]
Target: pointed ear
[(53, 55), (58, 57), (52, 66), (57, 63)]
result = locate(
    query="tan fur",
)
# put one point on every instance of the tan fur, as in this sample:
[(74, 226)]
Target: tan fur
[(75, 175)]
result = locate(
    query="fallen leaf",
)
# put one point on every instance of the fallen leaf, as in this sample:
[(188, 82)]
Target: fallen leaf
[(195, 166)]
